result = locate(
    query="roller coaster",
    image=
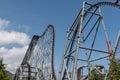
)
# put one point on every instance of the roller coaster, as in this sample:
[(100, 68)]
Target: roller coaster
[(38, 61), (83, 51)]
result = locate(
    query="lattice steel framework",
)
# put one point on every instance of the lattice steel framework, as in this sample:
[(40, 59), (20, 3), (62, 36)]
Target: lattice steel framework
[(117, 47), (87, 46), (38, 63)]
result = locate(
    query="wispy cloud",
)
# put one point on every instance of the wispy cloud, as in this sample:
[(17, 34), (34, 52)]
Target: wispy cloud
[(4, 23), (24, 27)]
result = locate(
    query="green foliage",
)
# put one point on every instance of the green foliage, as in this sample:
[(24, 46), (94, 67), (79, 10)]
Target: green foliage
[(95, 75), (114, 73), (3, 75), (2, 66)]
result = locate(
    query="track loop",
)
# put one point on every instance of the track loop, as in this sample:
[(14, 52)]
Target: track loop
[(107, 3)]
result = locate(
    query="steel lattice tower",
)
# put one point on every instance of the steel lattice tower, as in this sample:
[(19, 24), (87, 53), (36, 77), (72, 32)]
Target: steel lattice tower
[(38, 62), (87, 47)]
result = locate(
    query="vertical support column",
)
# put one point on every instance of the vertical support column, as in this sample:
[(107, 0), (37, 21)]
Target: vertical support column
[(117, 42), (21, 72), (106, 34), (61, 66), (74, 75), (108, 42)]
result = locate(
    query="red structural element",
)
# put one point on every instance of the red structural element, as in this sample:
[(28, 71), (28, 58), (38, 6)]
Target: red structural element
[(109, 49)]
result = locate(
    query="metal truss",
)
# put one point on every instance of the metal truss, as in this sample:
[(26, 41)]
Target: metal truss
[(87, 47), (117, 47), (38, 63)]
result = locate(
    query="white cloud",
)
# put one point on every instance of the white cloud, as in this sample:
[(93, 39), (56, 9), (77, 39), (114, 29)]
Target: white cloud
[(13, 37), (3, 23), (3, 50), (13, 57), (11, 53)]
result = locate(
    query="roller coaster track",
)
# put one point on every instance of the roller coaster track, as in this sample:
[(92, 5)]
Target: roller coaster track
[(73, 33), (39, 58), (38, 62), (113, 4)]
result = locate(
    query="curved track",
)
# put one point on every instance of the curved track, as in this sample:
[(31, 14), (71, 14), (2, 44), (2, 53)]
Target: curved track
[(113, 4), (39, 58), (71, 57)]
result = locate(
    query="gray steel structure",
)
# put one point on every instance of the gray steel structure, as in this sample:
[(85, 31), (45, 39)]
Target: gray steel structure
[(117, 47), (82, 52), (38, 63)]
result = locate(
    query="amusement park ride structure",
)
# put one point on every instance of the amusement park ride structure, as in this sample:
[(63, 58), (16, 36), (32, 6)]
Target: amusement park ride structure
[(38, 61), (87, 48), (81, 51)]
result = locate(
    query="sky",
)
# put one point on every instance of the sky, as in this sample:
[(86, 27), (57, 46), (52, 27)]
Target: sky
[(21, 19)]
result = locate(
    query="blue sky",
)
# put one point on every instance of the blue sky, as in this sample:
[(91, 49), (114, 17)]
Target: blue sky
[(24, 18)]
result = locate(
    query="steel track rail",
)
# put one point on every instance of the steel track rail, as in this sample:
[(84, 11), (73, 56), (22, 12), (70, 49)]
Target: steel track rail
[(31, 47), (73, 27)]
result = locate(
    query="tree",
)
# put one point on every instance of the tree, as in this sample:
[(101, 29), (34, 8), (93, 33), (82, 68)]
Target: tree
[(115, 69), (114, 73), (95, 75), (3, 75), (2, 66)]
